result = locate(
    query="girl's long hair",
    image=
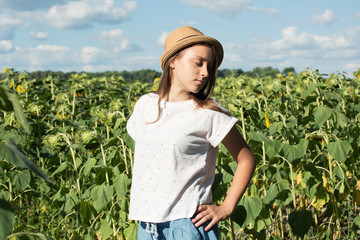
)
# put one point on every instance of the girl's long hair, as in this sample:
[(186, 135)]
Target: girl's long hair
[(202, 98)]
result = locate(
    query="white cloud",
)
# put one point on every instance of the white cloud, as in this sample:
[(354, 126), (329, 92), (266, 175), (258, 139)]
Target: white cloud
[(63, 58), (326, 18), (47, 55), (357, 15), (116, 39), (234, 58), (352, 33), (86, 13), (189, 23), (291, 39), (8, 25), (301, 53), (354, 65), (28, 5), (38, 35), (298, 49), (223, 7), (229, 46), (118, 64), (55, 57), (228, 7), (162, 38), (97, 68), (341, 54), (269, 11), (6, 46), (52, 48), (152, 62), (6, 20), (90, 55), (42, 57)]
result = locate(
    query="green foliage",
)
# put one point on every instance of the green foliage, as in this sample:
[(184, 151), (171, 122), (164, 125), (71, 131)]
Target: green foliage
[(10, 151), (303, 129), (300, 222), (20, 179), (6, 219), (9, 102), (304, 132)]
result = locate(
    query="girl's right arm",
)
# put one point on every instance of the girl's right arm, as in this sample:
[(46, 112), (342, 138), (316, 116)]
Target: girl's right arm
[(245, 159)]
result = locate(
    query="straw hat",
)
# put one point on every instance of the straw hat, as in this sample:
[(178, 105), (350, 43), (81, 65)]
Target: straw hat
[(184, 37)]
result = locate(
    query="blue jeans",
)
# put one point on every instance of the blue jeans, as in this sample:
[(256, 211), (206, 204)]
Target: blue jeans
[(181, 229)]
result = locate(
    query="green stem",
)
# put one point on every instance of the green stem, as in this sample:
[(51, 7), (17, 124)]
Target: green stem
[(107, 132), (292, 185), (243, 123), (10, 191), (332, 194), (104, 162), (292, 181), (74, 160), (281, 224), (264, 164), (316, 222), (124, 155), (114, 227), (232, 234), (106, 83), (259, 105), (26, 234), (73, 103), (52, 89)]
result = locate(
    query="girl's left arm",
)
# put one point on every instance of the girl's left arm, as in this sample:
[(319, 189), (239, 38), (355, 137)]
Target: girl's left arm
[(246, 163)]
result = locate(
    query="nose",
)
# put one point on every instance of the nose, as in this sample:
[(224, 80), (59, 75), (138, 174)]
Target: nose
[(204, 71)]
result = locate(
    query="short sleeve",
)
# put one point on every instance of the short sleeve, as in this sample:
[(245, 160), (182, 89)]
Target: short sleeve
[(134, 119), (220, 127)]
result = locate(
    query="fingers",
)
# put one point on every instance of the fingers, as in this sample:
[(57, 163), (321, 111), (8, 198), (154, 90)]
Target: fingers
[(200, 213), (201, 208), (210, 225), (202, 218), (207, 213)]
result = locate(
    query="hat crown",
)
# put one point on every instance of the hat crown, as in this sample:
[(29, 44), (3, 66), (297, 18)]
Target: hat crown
[(187, 36), (180, 34)]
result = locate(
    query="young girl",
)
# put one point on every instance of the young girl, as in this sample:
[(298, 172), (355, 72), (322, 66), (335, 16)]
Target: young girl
[(177, 131)]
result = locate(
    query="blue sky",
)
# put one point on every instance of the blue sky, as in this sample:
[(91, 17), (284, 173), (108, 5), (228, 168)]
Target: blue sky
[(102, 35)]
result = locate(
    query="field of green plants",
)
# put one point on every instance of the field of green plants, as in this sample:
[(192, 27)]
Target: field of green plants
[(66, 159)]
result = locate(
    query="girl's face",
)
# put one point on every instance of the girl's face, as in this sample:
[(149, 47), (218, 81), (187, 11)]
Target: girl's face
[(190, 70)]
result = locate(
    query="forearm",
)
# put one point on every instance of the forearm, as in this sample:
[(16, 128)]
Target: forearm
[(242, 176), (245, 159)]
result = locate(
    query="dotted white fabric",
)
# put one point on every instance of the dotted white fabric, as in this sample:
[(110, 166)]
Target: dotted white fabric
[(175, 158)]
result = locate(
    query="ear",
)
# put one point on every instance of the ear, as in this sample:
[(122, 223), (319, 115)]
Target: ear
[(173, 62)]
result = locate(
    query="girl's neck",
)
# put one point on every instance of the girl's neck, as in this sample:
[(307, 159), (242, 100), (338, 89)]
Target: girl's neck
[(178, 96)]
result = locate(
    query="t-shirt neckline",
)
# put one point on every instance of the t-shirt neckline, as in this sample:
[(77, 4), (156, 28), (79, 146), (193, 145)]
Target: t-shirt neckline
[(167, 103)]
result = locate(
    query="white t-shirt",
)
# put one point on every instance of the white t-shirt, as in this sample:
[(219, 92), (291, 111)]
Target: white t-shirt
[(175, 157)]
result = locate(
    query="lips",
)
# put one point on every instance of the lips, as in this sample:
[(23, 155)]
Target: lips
[(199, 81)]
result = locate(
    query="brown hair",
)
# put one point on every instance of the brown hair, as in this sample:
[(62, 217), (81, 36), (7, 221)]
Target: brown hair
[(202, 98)]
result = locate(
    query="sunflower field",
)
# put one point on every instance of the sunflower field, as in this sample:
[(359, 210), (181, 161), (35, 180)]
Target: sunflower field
[(66, 159)]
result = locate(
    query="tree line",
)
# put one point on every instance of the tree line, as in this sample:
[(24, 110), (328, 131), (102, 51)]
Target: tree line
[(147, 75)]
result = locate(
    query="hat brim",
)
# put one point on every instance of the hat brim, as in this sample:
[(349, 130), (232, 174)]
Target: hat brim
[(192, 41)]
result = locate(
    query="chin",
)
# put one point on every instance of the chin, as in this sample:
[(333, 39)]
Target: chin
[(196, 91)]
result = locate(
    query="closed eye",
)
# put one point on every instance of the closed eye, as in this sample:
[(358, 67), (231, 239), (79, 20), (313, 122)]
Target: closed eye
[(198, 63)]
